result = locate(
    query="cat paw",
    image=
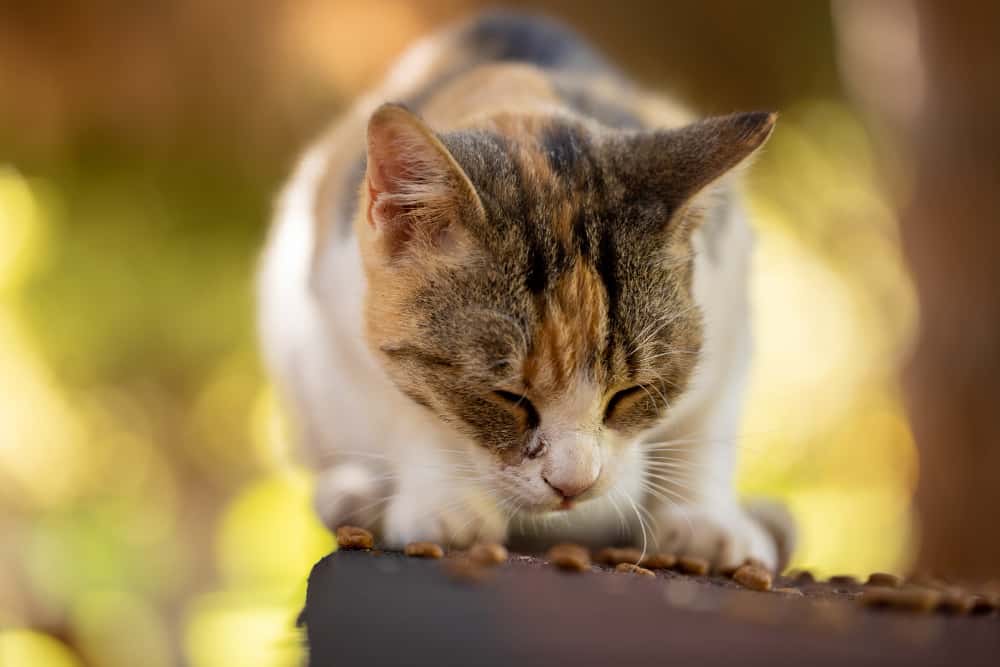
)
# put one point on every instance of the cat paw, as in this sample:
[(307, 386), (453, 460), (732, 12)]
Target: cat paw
[(725, 537), (347, 494), (779, 523), (453, 524)]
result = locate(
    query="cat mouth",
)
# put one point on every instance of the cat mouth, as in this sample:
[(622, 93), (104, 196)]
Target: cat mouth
[(567, 504)]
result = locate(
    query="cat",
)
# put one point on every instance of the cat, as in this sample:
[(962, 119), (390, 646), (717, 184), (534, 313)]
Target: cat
[(505, 299)]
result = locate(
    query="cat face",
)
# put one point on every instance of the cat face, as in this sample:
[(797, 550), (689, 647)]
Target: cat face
[(530, 283)]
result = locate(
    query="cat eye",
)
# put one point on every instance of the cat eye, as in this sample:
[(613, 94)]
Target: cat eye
[(618, 398), (522, 403)]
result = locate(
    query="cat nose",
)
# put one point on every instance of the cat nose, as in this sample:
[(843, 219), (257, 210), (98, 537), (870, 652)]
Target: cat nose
[(571, 488), (572, 465)]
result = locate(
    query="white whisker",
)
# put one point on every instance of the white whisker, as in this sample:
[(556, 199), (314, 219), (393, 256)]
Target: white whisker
[(622, 528), (642, 523)]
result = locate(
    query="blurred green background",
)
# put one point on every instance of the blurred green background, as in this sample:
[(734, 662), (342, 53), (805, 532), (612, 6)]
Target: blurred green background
[(151, 509)]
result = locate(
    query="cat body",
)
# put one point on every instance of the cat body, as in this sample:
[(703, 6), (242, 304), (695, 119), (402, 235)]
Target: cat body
[(514, 308)]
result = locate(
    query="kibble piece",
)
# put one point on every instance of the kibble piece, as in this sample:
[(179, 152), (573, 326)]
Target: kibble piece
[(692, 565), (660, 561), (844, 580), (423, 550), (487, 554), (955, 601), (352, 537), (753, 577), (630, 568), (615, 555), (984, 604), (787, 591), (571, 557), (629, 555), (909, 598), (605, 556), (883, 579), (801, 576), (730, 571)]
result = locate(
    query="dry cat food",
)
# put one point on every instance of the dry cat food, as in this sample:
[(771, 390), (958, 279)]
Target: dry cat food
[(630, 568), (984, 604), (352, 537), (909, 598), (661, 561), (844, 580), (570, 557), (883, 579), (616, 555), (801, 577), (423, 550), (692, 565), (753, 577), (956, 602), (487, 554), (730, 571)]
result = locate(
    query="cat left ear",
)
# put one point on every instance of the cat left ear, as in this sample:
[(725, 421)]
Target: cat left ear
[(416, 189)]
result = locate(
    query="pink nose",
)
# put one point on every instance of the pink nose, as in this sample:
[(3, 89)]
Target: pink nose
[(570, 488)]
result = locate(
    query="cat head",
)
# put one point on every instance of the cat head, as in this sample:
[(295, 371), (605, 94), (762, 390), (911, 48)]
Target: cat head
[(530, 283)]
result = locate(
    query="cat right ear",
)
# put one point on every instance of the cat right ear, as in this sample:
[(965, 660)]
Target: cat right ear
[(681, 162), (417, 192)]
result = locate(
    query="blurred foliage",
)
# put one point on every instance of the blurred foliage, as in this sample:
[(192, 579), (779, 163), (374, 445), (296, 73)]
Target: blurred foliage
[(143, 469), (141, 459), (834, 316)]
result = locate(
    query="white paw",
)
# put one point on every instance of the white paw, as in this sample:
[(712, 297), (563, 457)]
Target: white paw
[(347, 493), (452, 522), (724, 536)]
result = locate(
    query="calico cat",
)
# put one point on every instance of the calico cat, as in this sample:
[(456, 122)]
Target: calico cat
[(505, 298)]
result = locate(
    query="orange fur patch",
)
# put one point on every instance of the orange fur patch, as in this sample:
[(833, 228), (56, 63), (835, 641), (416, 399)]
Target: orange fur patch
[(572, 332)]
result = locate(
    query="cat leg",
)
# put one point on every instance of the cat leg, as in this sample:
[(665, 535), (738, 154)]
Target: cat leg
[(696, 506), (725, 535), (451, 514), (700, 515), (349, 493)]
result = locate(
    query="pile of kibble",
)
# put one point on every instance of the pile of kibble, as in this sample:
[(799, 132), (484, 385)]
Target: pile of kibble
[(919, 593)]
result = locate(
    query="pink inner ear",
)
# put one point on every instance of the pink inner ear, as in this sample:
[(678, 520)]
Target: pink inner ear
[(401, 169), (409, 179), (414, 186), (382, 162), (387, 154)]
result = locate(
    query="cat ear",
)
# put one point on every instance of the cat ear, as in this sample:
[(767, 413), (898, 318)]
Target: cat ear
[(686, 160), (416, 189)]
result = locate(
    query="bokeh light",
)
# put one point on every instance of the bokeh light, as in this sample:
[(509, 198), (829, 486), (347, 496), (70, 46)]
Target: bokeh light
[(26, 647), (834, 313)]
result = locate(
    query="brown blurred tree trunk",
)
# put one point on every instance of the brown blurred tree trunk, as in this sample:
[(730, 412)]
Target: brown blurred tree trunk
[(948, 140)]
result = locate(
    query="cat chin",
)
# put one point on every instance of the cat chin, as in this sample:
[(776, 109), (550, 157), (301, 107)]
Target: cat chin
[(563, 507), (553, 506)]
